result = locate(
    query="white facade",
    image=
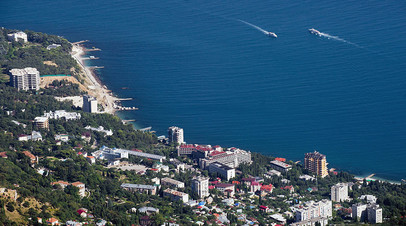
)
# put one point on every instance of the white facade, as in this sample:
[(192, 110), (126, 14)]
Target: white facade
[(59, 114), (18, 35), (89, 104), (200, 185), (374, 213), (25, 79), (101, 130), (339, 192), (323, 208), (223, 170), (175, 135), (359, 211)]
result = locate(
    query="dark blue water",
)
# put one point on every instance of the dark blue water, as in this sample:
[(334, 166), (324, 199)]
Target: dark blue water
[(194, 65)]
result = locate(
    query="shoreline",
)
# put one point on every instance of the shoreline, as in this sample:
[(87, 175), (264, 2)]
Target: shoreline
[(93, 83), (107, 99)]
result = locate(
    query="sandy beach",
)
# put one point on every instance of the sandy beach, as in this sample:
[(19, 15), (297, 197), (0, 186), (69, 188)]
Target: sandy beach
[(91, 83)]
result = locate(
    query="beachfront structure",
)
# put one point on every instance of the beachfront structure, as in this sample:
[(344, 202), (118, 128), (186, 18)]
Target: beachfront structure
[(17, 36), (35, 136), (280, 166), (62, 114), (100, 129), (171, 182), (312, 210), (222, 170), (25, 79), (233, 157), (176, 195), (339, 192), (200, 185), (41, 122), (316, 163), (106, 152), (140, 188), (370, 212), (175, 135), (89, 104)]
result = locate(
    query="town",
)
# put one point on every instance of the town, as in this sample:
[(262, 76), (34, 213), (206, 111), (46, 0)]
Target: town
[(75, 164)]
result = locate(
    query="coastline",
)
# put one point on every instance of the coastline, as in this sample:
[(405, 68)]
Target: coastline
[(105, 97), (92, 83)]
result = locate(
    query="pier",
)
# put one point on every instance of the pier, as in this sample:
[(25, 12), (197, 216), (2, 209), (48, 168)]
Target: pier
[(92, 49), (90, 58), (95, 67), (79, 42)]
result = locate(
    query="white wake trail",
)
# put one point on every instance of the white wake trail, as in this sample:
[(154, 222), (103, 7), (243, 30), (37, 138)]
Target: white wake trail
[(254, 26), (338, 39)]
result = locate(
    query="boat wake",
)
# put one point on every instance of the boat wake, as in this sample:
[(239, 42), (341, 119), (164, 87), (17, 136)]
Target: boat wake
[(321, 34), (268, 33)]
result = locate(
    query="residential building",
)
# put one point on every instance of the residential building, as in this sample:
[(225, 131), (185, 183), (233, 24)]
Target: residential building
[(89, 104), (171, 182), (91, 159), (62, 114), (62, 137), (272, 173), (33, 158), (369, 198), (222, 170), (200, 185), (101, 130), (148, 210), (41, 122), (25, 79), (280, 166), (176, 195), (105, 152), (312, 210), (81, 186), (316, 163), (339, 192), (35, 136), (374, 213), (322, 221), (140, 188), (53, 46), (227, 189), (63, 184), (17, 36), (370, 212), (175, 135)]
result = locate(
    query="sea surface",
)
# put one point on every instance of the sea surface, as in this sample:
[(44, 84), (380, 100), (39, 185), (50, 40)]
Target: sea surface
[(201, 66)]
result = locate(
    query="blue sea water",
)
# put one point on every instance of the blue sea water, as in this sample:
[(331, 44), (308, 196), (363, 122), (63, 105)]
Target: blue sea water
[(194, 65)]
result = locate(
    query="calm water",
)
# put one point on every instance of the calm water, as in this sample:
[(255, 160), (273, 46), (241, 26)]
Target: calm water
[(194, 65)]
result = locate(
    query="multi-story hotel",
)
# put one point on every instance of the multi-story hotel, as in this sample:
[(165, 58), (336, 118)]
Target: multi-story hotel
[(17, 36), (313, 210), (175, 135), (316, 163), (200, 185), (339, 192), (25, 79), (89, 104)]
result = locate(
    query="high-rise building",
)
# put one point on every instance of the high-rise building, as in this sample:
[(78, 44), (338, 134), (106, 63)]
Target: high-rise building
[(25, 79), (316, 163), (312, 210), (200, 185), (370, 212), (175, 135), (89, 104), (339, 192), (41, 122)]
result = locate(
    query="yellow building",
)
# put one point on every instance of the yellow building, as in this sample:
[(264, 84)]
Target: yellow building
[(316, 163)]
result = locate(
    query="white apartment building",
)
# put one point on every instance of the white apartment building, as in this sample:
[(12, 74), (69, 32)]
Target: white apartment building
[(200, 185), (89, 104), (59, 114), (175, 135), (339, 192), (233, 157), (171, 182), (323, 209), (25, 79), (370, 212), (17, 36), (280, 166), (222, 170)]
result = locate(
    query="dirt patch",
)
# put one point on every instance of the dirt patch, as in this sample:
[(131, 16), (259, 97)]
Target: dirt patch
[(50, 63)]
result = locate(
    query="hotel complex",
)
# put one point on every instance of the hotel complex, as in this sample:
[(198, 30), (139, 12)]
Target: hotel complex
[(175, 135), (316, 163), (25, 79)]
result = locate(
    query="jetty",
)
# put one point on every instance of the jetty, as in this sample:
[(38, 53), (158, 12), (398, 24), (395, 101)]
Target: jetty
[(95, 67), (145, 129), (79, 42), (90, 58), (92, 49)]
